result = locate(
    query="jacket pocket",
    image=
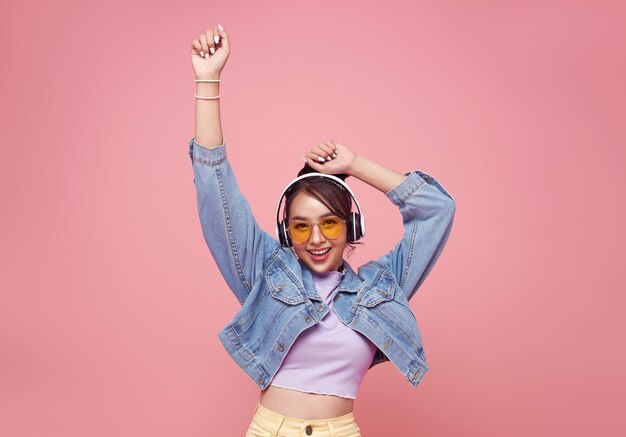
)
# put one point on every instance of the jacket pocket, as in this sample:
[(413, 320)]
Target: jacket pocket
[(381, 289), (282, 286)]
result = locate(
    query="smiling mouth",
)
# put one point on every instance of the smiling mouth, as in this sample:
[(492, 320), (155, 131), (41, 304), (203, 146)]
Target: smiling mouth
[(319, 253)]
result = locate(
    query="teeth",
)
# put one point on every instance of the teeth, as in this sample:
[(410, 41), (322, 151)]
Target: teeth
[(319, 252)]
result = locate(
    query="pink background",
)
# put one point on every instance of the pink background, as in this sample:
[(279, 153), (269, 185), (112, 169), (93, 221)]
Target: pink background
[(111, 302)]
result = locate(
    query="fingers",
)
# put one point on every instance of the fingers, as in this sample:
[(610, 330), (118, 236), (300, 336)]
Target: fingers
[(205, 46), (326, 151), (311, 159), (196, 47), (333, 145), (315, 156), (223, 36), (320, 154), (216, 35), (209, 41)]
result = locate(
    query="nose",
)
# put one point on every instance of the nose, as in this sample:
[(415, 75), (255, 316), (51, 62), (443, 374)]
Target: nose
[(316, 235)]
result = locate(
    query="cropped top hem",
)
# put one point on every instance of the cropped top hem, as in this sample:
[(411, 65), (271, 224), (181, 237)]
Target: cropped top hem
[(311, 391)]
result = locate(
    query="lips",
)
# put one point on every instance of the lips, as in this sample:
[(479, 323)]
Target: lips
[(319, 258)]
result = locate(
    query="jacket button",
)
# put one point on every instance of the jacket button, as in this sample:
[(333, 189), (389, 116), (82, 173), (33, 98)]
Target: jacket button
[(320, 308), (309, 430), (307, 318), (281, 347), (279, 288), (261, 380)]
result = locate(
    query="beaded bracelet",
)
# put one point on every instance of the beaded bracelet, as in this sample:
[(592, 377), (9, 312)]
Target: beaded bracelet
[(204, 81)]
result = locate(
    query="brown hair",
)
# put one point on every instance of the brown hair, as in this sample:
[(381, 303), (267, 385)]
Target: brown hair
[(336, 198)]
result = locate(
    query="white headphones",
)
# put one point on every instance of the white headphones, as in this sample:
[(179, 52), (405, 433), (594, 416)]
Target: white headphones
[(355, 222)]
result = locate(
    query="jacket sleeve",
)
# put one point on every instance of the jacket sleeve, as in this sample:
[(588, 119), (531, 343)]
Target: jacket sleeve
[(236, 242), (427, 215)]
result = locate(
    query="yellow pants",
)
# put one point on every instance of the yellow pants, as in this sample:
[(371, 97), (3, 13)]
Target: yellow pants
[(268, 423)]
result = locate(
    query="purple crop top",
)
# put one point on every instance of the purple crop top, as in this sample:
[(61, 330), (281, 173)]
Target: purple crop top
[(328, 358)]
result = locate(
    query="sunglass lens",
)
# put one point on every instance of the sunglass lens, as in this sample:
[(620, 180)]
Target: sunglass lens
[(300, 232), (331, 227)]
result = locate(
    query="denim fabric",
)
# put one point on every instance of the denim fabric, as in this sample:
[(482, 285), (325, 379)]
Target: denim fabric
[(277, 293)]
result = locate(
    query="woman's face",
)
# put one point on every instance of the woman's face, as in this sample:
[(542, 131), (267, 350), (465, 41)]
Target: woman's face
[(307, 208)]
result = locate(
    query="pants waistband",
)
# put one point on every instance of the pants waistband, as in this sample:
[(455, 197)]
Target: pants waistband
[(332, 425)]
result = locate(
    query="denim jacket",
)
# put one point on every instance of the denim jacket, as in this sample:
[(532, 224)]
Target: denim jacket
[(276, 290)]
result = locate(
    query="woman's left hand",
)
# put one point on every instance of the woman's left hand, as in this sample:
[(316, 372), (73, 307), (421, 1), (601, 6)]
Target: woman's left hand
[(331, 157)]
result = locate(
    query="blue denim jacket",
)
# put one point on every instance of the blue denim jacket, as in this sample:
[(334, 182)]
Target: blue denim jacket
[(276, 290)]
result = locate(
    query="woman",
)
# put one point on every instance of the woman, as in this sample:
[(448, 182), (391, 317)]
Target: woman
[(309, 326)]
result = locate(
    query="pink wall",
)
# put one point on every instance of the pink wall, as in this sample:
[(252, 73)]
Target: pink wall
[(111, 302)]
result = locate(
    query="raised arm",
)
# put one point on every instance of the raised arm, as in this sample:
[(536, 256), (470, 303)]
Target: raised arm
[(237, 243), (427, 210), (208, 67)]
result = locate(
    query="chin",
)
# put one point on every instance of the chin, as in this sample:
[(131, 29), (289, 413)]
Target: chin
[(324, 267), (330, 264), (320, 269)]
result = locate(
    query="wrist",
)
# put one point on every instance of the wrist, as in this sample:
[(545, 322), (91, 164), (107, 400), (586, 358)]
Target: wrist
[(207, 88), (353, 169), (210, 76)]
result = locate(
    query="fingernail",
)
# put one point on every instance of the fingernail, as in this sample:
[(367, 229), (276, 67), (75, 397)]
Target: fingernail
[(329, 158), (334, 155), (320, 159), (212, 50), (216, 38), (220, 26), (304, 159), (202, 53), (206, 56)]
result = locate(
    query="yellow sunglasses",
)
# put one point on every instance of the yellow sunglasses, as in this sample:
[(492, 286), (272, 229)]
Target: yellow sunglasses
[(300, 231)]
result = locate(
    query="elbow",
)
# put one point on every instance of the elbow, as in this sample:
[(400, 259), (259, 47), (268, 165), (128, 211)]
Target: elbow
[(452, 211), (450, 203), (448, 210), (452, 206)]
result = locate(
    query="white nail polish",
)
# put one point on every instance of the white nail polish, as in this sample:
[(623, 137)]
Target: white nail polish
[(202, 53), (206, 56), (329, 158), (334, 155), (320, 159), (212, 50), (220, 26), (216, 39)]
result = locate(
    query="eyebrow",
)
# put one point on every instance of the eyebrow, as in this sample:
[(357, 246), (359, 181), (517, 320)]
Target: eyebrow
[(298, 217)]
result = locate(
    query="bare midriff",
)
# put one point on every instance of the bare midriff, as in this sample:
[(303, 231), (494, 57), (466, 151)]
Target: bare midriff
[(301, 405)]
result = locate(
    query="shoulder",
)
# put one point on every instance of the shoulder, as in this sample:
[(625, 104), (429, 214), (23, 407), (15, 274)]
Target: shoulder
[(373, 270)]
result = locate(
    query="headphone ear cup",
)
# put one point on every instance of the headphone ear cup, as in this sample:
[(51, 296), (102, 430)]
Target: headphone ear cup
[(354, 227), (283, 234)]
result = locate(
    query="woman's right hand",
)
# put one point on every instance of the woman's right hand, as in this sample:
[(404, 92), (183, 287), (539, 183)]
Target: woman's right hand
[(210, 68)]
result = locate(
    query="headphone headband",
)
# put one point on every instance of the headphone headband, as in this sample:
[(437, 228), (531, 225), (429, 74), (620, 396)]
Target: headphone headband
[(328, 176)]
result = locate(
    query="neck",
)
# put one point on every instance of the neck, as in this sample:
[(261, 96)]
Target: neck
[(339, 270)]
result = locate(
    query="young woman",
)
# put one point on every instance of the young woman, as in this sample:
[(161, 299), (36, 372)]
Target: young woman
[(309, 326)]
